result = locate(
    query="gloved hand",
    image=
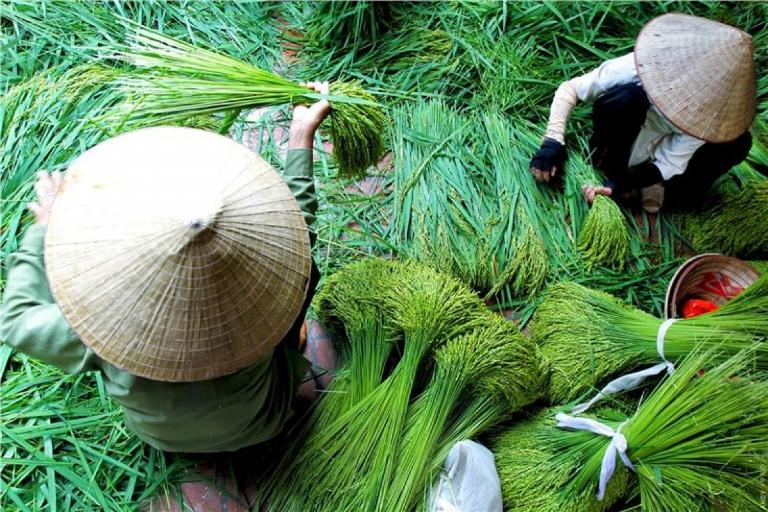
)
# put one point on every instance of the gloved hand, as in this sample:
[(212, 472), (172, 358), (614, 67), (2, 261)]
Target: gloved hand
[(548, 160)]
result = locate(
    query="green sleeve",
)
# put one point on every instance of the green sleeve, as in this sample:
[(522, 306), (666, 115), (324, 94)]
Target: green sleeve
[(298, 176), (30, 320)]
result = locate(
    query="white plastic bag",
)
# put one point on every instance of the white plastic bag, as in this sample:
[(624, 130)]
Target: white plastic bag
[(468, 482)]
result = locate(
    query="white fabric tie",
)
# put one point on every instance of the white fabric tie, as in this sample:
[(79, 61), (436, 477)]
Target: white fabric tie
[(633, 380), (618, 445)]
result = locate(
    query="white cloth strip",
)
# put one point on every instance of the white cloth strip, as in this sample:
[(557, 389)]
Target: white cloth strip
[(633, 380), (661, 334), (618, 445)]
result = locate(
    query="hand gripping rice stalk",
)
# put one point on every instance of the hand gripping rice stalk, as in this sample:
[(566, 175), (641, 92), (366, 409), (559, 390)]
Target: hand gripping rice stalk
[(604, 237), (587, 337), (698, 442), (736, 226), (174, 79)]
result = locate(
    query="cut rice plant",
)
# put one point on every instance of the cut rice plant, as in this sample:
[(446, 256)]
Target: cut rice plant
[(360, 447), (603, 235), (65, 446), (493, 362), (731, 226), (760, 265), (698, 442), (49, 120), (587, 336), (173, 78), (533, 473), (344, 24), (468, 204), (604, 238)]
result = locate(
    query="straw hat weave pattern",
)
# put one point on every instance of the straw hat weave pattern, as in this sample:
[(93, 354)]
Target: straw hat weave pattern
[(177, 254), (700, 74)]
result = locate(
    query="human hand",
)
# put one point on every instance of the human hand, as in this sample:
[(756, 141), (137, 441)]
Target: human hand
[(306, 119), (590, 192), (46, 188), (548, 160)]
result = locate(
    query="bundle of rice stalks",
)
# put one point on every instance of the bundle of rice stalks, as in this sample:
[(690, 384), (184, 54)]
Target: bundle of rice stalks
[(604, 237), (533, 475), (493, 363), (173, 79), (587, 336), (358, 446), (603, 234), (468, 204), (698, 442), (734, 226)]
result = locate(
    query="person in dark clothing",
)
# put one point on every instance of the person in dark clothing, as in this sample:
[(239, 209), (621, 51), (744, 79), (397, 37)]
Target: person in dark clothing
[(668, 119)]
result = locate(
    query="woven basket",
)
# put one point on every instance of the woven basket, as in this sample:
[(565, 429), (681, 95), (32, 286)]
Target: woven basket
[(713, 277)]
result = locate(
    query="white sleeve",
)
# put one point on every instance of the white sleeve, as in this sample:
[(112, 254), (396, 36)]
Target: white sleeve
[(674, 152), (610, 73)]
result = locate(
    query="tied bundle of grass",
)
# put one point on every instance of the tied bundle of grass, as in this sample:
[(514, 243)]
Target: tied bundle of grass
[(350, 304), (587, 336), (732, 226), (533, 475), (494, 364), (604, 237), (698, 442), (174, 79)]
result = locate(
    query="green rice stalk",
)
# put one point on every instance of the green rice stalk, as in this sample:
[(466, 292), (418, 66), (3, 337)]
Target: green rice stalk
[(342, 25), (534, 473), (588, 337), (698, 442), (530, 265), (350, 306), (733, 226), (427, 308), (494, 362), (760, 265), (173, 78), (604, 237), (356, 130)]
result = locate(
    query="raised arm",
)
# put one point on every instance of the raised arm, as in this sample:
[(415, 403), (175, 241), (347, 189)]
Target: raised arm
[(298, 164)]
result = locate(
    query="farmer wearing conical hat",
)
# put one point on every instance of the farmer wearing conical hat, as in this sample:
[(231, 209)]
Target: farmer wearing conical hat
[(177, 264), (669, 119)]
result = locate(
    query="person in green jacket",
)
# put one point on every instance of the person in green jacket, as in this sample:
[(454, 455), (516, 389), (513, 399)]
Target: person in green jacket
[(241, 408)]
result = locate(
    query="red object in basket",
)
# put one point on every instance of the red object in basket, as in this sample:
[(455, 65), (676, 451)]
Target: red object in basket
[(696, 307)]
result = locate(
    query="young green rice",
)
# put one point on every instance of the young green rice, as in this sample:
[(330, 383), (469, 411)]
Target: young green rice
[(732, 226), (604, 237), (587, 336), (698, 442), (173, 78)]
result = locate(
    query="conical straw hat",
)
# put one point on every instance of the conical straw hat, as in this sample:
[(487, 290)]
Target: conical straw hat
[(700, 74), (177, 254)]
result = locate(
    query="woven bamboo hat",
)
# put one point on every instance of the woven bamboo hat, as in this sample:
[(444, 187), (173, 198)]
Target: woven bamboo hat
[(177, 254), (700, 74)]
